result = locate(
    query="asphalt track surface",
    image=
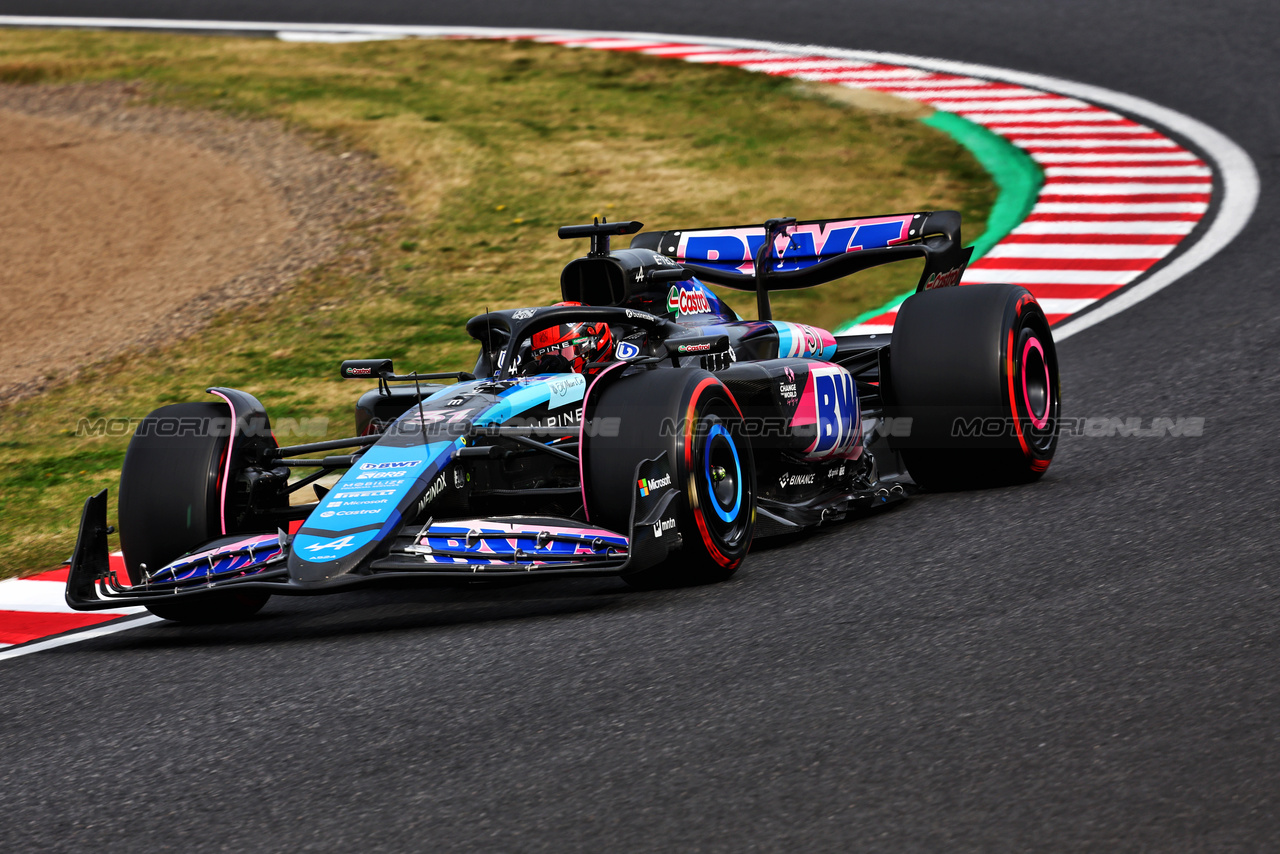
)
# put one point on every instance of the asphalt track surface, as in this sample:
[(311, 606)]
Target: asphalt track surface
[(1086, 663)]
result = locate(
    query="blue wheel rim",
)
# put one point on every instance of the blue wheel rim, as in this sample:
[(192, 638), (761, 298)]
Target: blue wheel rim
[(732, 514)]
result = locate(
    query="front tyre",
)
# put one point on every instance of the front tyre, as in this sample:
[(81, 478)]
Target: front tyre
[(172, 489), (692, 417), (719, 487)]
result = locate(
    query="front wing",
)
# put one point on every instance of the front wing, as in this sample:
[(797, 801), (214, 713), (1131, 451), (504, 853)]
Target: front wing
[(450, 550)]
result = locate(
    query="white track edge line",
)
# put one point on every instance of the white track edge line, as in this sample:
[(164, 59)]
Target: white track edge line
[(76, 637), (1239, 176)]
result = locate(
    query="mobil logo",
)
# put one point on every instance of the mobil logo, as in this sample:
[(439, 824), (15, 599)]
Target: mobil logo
[(829, 410)]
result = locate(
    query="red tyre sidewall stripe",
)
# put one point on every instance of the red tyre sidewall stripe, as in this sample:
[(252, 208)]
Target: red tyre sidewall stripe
[(698, 517), (1010, 351)]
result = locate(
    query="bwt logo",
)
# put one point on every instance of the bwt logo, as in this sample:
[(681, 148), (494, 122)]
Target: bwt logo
[(836, 411), (407, 464), (800, 247)]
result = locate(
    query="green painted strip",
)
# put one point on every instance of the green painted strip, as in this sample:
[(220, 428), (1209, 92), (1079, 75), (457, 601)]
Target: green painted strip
[(1016, 175), (1018, 179)]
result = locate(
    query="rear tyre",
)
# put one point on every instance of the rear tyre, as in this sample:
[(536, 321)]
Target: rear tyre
[(976, 370), (693, 418), (171, 502)]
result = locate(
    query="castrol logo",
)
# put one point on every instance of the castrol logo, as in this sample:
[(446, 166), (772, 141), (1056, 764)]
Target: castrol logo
[(687, 301)]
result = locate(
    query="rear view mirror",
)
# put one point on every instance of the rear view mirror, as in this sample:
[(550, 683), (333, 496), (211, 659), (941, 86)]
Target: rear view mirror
[(360, 369)]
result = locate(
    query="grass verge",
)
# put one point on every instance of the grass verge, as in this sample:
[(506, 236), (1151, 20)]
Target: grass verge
[(493, 145)]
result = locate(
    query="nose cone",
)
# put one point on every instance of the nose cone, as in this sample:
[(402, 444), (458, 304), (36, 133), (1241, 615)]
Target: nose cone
[(320, 556)]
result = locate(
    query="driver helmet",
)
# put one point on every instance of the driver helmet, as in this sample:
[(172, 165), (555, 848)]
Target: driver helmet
[(570, 346)]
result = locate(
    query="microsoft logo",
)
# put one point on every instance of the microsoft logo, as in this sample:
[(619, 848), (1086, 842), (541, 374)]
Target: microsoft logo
[(649, 484)]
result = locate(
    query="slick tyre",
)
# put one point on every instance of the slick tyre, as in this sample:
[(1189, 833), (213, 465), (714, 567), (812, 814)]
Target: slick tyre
[(693, 418), (976, 371), (171, 502)]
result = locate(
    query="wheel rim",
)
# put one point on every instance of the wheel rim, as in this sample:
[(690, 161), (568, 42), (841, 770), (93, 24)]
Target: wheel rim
[(1035, 382), (722, 473), (720, 485), (1037, 398)]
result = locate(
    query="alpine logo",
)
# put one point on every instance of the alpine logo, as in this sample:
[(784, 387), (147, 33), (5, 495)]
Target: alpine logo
[(687, 301), (792, 479), (343, 543), (649, 484), (407, 464)]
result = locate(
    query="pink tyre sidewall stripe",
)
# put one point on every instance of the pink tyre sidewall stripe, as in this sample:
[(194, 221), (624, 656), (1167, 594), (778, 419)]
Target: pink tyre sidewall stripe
[(1038, 421)]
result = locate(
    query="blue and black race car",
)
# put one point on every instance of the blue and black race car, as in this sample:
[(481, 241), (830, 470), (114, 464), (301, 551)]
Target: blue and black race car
[(640, 428)]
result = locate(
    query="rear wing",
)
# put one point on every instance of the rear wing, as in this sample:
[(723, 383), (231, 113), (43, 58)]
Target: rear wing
[(784, 254)]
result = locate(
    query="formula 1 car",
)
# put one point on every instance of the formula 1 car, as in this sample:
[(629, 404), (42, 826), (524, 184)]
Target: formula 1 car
[(640, 429)]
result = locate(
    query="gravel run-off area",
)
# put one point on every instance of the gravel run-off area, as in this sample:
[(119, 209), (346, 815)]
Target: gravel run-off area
[(125, 225)]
